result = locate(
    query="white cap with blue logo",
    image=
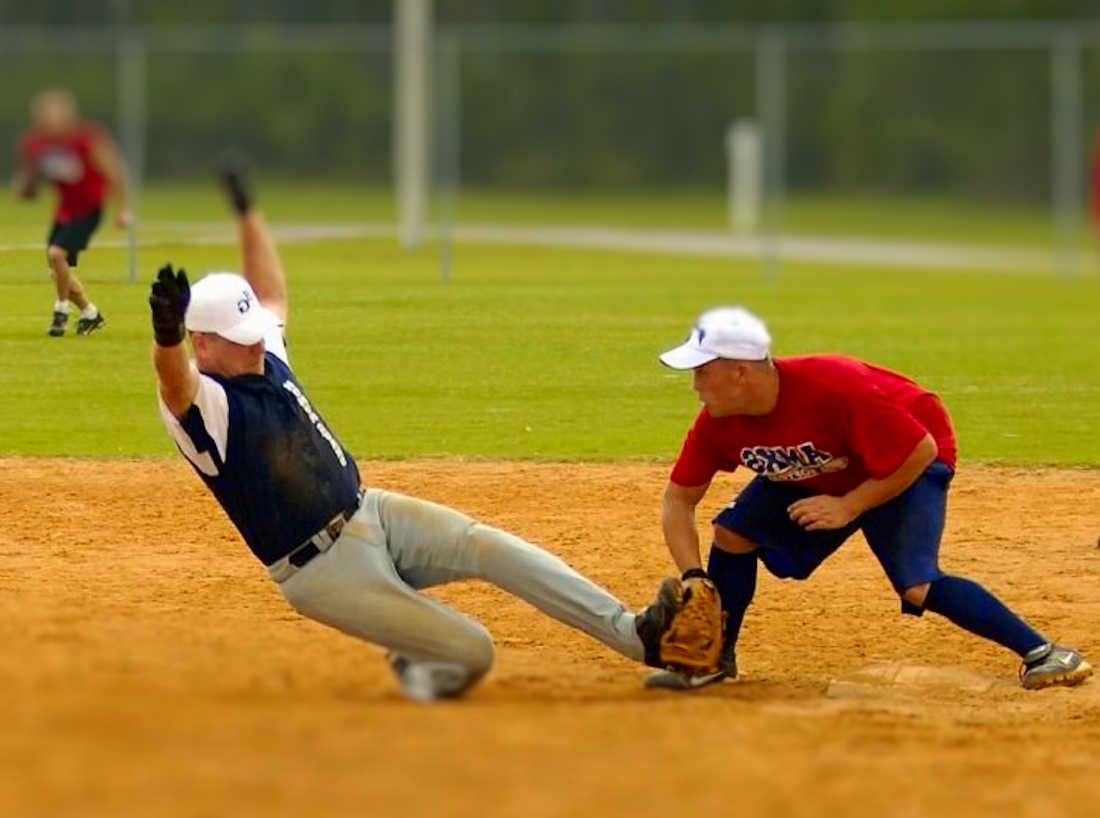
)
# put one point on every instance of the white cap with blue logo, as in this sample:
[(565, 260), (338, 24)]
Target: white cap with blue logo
[(225, 304), (723, 332)]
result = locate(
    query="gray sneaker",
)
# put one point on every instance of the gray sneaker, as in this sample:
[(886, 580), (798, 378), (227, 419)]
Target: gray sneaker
[(428, 681), (676, 680), (1052, 664)]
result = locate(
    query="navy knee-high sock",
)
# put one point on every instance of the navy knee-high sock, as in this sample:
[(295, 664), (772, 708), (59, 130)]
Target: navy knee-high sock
[(735, 577), (970, 606)]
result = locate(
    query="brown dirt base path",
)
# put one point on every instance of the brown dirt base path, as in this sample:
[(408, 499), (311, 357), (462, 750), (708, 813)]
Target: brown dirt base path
[(149, 668)]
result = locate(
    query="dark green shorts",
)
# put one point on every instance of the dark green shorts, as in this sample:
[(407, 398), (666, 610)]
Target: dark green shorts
[(75, 235)]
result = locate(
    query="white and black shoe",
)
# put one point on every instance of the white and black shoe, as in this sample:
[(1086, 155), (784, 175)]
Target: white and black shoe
[(57, 325), (1052, 664), (86, 326), (678, 680)]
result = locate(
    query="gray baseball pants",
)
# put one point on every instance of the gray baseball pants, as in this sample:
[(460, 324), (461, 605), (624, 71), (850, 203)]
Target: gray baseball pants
[(366, 585)]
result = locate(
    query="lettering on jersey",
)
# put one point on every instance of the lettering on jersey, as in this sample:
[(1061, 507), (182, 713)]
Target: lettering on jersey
[(315, 419), (61, 165), (790, 463)]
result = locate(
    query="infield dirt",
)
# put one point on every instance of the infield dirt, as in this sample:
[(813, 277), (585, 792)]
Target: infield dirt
[(149, 667)]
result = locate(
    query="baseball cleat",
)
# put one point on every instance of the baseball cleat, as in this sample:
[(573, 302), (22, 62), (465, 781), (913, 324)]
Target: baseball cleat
[(86, 326), (428, 681), (57, 325), (651, 623), (1052, 664), (678, 680)]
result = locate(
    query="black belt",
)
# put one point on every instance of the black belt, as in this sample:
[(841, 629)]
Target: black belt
[(323, 539)]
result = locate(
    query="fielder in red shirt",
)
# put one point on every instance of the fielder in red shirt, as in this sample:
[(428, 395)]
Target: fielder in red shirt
[(81, 161), (838, 445)]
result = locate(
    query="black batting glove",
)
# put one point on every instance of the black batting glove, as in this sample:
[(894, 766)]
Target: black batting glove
[(234, 172), (168, 300)]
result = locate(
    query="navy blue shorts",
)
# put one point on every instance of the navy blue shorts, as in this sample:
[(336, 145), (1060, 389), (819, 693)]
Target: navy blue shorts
[(904, 533), (73, 236)]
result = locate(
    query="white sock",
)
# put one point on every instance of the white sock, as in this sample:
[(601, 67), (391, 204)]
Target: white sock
[(91, 311), (61, 306)]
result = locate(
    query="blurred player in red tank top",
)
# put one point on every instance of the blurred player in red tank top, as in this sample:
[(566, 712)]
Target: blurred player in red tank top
[(80, 159)]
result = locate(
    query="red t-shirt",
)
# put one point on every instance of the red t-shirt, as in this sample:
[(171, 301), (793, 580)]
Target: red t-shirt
[(838, 422), (67, 162)]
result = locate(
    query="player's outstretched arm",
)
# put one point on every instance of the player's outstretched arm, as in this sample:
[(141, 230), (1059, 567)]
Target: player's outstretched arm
[(177, 376), (260, 260), (678, 523), (108, 161), (24, 180)]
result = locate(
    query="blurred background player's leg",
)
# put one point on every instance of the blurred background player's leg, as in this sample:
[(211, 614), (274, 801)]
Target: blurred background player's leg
[(69, 289)]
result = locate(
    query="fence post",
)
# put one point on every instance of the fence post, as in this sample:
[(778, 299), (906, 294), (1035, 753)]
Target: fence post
[(447, 139), (771, 106), (744, 166), (130, 76), (1067, 162), (412, 43)]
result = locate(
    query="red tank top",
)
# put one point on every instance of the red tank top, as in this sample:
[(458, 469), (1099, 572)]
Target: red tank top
[(67, 162)]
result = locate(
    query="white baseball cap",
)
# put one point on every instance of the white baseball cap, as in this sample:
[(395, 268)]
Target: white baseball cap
[(723, 332), (225, 304)]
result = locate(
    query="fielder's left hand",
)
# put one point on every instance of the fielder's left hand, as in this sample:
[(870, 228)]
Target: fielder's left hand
[(168, 300), (822, 512)]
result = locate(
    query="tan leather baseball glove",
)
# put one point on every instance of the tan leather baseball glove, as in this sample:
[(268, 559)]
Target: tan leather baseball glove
[(692, 643)]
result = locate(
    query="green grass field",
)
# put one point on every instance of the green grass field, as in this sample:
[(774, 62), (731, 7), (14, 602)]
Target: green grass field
[(940, 218), (543, 353)]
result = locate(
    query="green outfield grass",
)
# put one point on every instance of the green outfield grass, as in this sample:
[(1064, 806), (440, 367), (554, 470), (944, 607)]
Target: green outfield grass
[(939, 218), (548, 353)]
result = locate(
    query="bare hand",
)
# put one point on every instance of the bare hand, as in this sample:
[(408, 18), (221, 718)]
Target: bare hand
[(123, 217), (822, 512), (25, 185)]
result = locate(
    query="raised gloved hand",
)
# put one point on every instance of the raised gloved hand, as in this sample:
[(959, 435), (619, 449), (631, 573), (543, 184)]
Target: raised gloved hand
[(171, 293), (234, 171)]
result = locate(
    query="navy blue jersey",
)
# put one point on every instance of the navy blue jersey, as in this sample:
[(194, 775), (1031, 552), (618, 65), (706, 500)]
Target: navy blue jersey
[(265, 453)]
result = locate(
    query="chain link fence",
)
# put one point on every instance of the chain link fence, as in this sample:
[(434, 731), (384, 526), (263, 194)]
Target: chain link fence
[(954, 133)]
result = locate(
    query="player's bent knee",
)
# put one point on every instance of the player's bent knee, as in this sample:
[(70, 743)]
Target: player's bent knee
[(912, 599), (464, 642), (731, 541), (56, 255), (480, 657), (470, 659)]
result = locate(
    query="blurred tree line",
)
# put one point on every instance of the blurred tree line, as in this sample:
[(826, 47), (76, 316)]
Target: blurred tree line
[(15, 12), (970, 121)]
